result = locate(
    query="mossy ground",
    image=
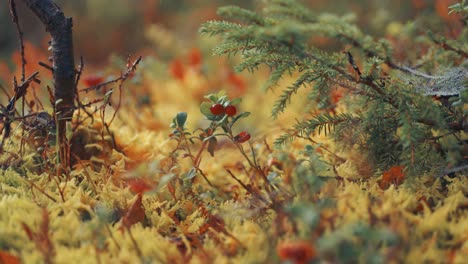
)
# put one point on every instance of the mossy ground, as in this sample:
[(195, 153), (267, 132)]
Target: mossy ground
[(313, 213), (422, 220)]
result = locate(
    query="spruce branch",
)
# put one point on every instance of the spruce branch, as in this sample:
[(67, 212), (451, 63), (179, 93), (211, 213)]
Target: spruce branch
[(396, 115), (235, 12), (285, 98), (325, 123)]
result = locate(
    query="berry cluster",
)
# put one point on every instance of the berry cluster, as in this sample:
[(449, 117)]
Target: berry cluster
[(219, 109), (223, 113)]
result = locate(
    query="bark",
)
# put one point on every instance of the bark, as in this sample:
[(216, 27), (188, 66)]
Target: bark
[(64, 74)]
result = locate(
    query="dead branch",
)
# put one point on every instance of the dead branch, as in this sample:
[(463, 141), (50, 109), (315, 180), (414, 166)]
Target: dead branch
[(60, 29)]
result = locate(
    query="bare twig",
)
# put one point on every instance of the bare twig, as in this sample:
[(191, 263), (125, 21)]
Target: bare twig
[(353, 63), (82, 106), (7, 113), (124, 76), (14, 17), (40, 190), (47, 66), (248, 189), (60, 29)]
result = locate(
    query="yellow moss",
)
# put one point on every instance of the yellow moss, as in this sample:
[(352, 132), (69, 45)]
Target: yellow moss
[(438, 220), (141, 133)]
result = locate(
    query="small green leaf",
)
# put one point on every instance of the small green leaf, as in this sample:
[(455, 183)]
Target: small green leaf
[(239, 116), (103, 212), (205, 108), (190, 174), (273, 177), (165, 180), (213, 142), (181, 118), (213, 98), (226, 103), (68, 131), (464, 96), (222, 99), (236, 101)]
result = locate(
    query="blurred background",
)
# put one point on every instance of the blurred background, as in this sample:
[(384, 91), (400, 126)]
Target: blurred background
[(105, 27)]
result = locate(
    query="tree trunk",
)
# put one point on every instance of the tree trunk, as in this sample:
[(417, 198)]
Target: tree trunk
[(60, 29)]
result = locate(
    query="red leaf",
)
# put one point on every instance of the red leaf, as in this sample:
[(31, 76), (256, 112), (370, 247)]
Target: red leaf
[(135, 214), (139, 185), (177, 69), (394, 175), (238, 82), (7, 258), (336, 96), (195, 58), (299, 252), (93, 80)]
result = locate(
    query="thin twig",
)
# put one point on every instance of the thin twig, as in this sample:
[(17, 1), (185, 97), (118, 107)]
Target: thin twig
[(5, 90), (47, 66), (137, 248), (14, 17), (124, 76), (248, 189), (40, 190)]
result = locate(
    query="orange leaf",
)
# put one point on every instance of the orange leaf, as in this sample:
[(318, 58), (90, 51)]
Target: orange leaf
[(195, 58), (93, 80), (299, 252), (336, 96), (135, 214), (177, 69), (238, 83), (421, 201), (5, 72), (139, 185), (419, 4), (394, 175), (33, 55), (441, 7), (7, 258)]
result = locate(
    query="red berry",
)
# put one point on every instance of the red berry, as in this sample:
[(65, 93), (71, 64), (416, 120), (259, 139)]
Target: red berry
[(217, 109), (242, 137), (230, 110)]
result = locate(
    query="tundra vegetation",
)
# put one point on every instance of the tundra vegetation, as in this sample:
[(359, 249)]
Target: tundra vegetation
[(309, 137)]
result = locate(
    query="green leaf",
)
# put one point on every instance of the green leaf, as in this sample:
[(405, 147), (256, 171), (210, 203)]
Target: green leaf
[(222, 99), (190, 174), (273, 177), (69, 131), (165, 180), (205, 108), (464, 96), (236, 101), (239, 116), (212, 143), (306, 212), (181, 118), (235, 12)]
